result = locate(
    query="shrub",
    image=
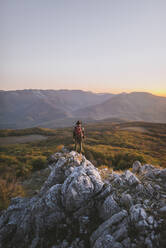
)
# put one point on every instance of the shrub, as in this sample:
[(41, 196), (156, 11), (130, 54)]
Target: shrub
[(9, 188), (23, 170), (123, 161), (8, 160), (39, 163)]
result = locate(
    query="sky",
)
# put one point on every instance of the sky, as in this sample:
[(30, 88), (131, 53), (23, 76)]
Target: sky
[(95, 45)]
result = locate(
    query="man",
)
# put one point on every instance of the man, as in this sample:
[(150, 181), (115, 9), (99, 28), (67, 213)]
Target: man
[(78, 135)]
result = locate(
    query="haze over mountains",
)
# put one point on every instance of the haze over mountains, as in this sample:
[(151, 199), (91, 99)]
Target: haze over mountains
[(134, 106), (48, 108), (57, 108)]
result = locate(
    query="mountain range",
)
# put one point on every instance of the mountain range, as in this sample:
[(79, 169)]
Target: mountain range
[(59, 108)]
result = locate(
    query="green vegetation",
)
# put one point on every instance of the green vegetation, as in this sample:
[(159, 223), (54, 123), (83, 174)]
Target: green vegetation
[(106, 144), (27, 131)]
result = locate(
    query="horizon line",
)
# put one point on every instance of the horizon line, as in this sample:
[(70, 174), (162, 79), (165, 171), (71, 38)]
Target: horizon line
[(92, 91)]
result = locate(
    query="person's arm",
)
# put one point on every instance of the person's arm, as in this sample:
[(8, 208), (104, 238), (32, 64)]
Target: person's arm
[(83, 132)]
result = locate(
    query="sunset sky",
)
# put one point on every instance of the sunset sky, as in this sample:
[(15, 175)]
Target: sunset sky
[(97, 45)]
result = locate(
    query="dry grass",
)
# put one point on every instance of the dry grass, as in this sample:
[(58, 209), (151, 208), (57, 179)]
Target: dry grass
[(9, 188), (105, 171), (33, 184), (119, 172)]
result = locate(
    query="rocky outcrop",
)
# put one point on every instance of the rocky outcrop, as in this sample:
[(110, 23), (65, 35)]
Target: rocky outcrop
[(77, 208)]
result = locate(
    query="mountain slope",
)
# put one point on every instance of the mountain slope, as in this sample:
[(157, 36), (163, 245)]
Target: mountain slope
[(51, 108), (134, 106), (28, 108)]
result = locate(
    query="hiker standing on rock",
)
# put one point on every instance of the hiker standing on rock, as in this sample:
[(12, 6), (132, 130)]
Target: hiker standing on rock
[(78, 135)]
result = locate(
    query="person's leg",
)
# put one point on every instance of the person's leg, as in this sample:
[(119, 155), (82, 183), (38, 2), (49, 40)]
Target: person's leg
[(80, 143), (75, 145)]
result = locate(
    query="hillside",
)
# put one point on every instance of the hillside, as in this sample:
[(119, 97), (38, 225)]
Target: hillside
[(51, 108), (138, 106), (48, 108), (79, 206)]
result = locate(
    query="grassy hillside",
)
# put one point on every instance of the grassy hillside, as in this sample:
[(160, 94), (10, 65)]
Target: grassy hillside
[(106, 144)]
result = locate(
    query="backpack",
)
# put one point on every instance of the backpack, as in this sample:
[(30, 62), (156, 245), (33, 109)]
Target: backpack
[(78, 131)]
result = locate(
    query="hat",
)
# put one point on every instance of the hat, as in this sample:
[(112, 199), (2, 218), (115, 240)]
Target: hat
[(78, 122)]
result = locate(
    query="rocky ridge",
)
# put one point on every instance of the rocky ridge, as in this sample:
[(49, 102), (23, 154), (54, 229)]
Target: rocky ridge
[(80, 206)]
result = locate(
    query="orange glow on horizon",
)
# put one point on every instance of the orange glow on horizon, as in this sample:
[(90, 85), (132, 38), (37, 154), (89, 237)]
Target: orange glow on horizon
[(113, 91), (157, 93)]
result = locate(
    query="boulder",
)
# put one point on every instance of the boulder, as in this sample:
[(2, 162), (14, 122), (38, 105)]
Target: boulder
[(107, 225), (163, 174), (126, 200), (131, 178), (82, 184), (136, 167), (163, 210), (109, 208), (137, 212)]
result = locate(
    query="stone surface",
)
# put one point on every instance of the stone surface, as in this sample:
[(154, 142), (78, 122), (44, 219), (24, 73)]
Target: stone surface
[(75, 208), (109, 208), (82, 184), (163, 210), (114, 220), (137, 213), (126, 200), (131, 178), (136, 167)]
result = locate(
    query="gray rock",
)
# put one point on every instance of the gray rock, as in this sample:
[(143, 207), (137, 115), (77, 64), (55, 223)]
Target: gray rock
[(115, 219), (117, 245), (137, 213), (109, 208), (157, 187), (148, 243), (141, 225), (150, 171), (121, 233), (106, 191), (117, 179), (126, 242), (163, 174), (150, 174), (65, 244), (146, 202), (56, 176), (126, 200), (136, 167), (140, 188), (162, 210), (31, 218), (150, 188), (146, 167), (131, 178), (82, 184), (157, 172), (150, 220), (105, 241)]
